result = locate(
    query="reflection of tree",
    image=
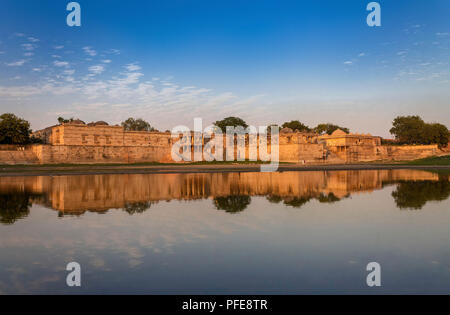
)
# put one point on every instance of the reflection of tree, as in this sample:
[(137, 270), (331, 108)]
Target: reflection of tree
[(14, 207), (296, 202), (137, 207), (232, 204), (330, 198), (274, 199), (414, 195)]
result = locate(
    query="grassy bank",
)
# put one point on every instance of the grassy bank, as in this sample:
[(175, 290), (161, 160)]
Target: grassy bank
[(440, 160)]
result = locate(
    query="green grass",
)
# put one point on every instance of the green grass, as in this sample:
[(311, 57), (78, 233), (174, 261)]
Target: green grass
[(440, 160)]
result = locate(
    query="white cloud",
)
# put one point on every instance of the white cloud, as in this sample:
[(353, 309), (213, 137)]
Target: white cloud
[(98, 69), (362, 54), (28, 54), (106, 61), (133, 67), (89, 51), (58, 47), (61, 63), (17, 63), (28, 47), (348, 62), (33, 39), (442, 34)]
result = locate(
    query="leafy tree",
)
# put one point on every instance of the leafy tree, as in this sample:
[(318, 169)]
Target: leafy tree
[(408, 129), (329, 129), (232, 204), (63, 120), (413, 130), (296, 125), (139, 124), (14, 130), (230, 122), (435, 133)]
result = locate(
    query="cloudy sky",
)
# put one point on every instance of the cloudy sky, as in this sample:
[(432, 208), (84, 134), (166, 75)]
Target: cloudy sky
[(265, 61)]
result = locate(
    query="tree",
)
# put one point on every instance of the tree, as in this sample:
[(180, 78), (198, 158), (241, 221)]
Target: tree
[(296, 125), (230, 122), (413, 130), (329, 129), (408, 129), (435, 133), (14, 130), (139, 124)]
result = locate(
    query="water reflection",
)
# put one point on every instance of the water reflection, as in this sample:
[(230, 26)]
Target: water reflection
[(236, 233), (230, 192), (415, 195)]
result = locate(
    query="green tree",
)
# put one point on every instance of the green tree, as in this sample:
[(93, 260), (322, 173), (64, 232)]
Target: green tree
[(139, 124), (14, 130), (408, 129), (230, 122), (413, 130), (296, 125), (329, 129), (435, 133)]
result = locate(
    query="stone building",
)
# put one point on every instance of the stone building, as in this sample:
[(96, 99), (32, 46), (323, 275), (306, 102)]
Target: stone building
[(79, 143)]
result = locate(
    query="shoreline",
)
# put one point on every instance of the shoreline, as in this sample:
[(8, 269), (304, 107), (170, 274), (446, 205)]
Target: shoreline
[(36, 170)]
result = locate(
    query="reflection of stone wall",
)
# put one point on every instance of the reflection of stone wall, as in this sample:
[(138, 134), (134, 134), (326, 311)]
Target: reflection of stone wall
[(73, 194)]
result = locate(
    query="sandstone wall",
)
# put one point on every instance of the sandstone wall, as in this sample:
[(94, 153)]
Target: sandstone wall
[(408, 153)]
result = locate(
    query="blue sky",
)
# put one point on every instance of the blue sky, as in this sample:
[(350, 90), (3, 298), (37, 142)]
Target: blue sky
[(266, 61)]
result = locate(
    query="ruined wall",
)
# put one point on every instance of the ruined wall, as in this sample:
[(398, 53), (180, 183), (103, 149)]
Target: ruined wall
[(409, 152), (101, 154)]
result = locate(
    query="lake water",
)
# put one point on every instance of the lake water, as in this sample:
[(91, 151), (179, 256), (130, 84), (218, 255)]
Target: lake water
[(227, 233)]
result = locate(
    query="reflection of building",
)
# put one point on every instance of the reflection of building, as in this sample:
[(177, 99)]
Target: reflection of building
[(76, 194)]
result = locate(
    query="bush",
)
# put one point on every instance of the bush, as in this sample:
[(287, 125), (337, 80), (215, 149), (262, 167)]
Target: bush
[(14, 130)]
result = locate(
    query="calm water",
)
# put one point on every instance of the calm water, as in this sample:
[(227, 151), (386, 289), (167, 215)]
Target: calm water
[(233, 233)]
